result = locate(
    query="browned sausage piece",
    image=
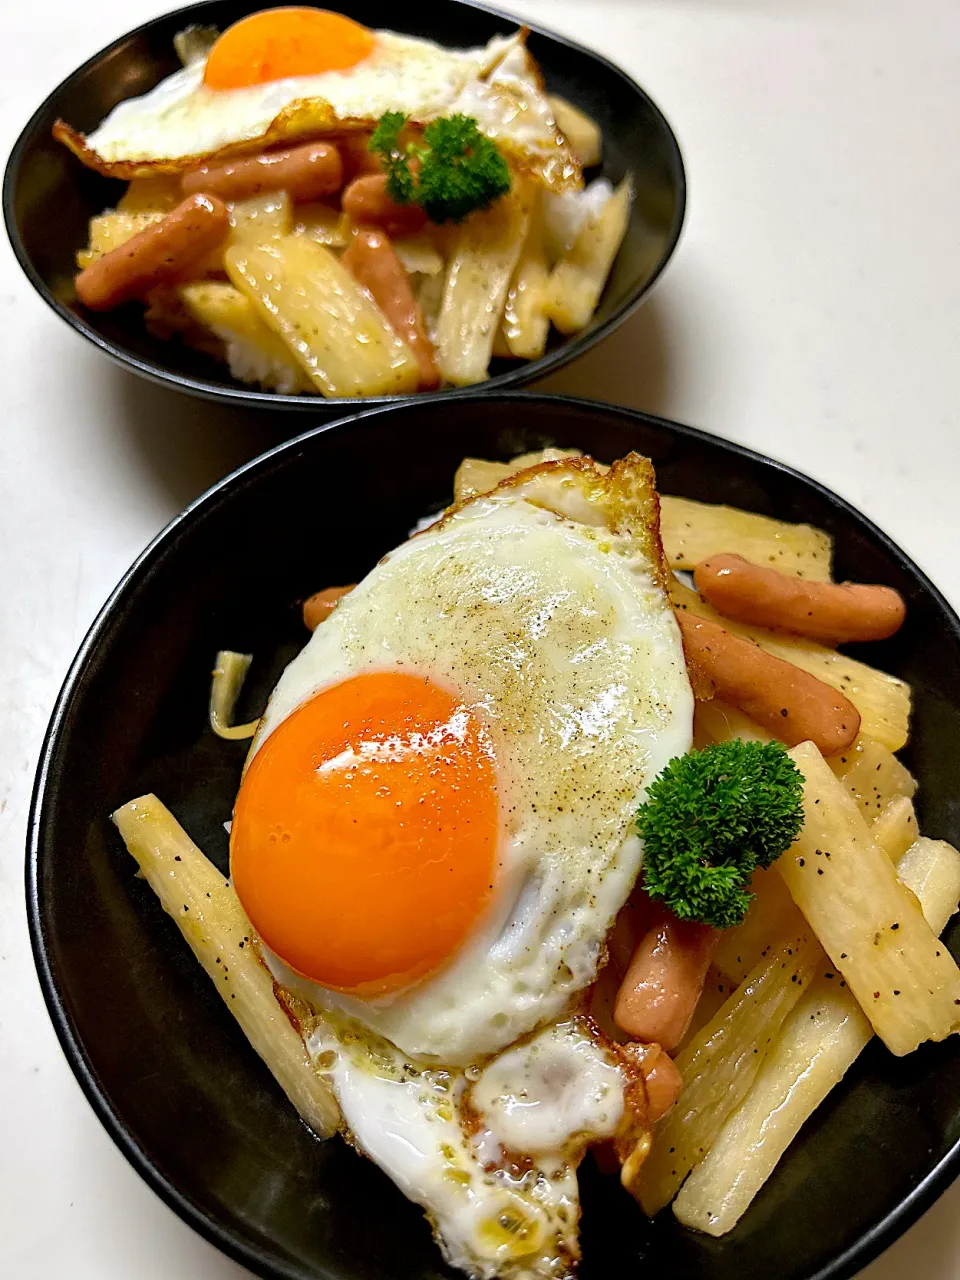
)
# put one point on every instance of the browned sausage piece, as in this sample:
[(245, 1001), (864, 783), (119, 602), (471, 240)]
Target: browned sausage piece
[(792, 704), (834, 612), (371, 260), (665, 980), (662, 1080), (305, 173), (320, 606), (357, 157), (164, 252), (365, 200)]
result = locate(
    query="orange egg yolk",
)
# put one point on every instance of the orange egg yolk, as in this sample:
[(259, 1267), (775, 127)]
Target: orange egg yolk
[(363, 843), (278, 43)]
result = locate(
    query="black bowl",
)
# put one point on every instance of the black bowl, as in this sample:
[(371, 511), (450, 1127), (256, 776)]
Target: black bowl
[(49, 196), (163, 1064)]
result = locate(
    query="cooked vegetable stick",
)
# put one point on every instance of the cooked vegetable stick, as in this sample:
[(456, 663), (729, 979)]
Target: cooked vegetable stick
[(819, 1041), (717, 989), (787, 701), (870, 926), (337, 333), (719, 721), (873, 776), (157, 193), (419, 254), (228, 677), (483, 256), (320, 222), (254, 352), (577, 281), (110, 230), (882, 700), (478, 475), (894, 829), (260, 219), (209, 915), (831, 612), (525, 326), (691, 531), (430, 297), (582, 132), (773, 914), (931, 868), (719, 1065)]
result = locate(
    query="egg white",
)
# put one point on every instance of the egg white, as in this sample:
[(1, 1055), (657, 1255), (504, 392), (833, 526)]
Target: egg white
[(491, 1154), (182, 121), (542, 606)]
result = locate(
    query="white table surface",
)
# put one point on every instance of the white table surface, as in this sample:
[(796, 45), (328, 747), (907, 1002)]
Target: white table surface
[(812, 311)]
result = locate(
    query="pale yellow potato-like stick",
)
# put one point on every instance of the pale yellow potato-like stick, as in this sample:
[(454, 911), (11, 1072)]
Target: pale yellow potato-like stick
[(820, 1039), (228, 677), (525, 325), (154, 193), (692, 531), (483, 255), (873, 775), (478, 475), (868, 922), (579, 129), (254, 352), (331, 326), (894, 829), (576, 282), (931, 868), (209, 915), (882, 700), (718, 721), (110, 230), (320, 222), (773, 915), (719, 1066), (418, 254), (262, 219), (501, 349)]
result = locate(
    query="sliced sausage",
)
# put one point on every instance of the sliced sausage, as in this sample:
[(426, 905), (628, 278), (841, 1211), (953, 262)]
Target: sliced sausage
[(162, 253), (792, 704), (305, 173), (358, 159), (372, 260), (366, 201), (319, 607), (662, 1080), (833, 612), (664, 981)]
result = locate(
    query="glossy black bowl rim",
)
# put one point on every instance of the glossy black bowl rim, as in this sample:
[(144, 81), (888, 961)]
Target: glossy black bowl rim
[(525, 372), (220, 1234)]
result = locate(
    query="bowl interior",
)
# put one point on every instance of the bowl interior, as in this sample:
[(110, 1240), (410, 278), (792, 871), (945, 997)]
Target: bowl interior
[(161, 1060), (50, 196)]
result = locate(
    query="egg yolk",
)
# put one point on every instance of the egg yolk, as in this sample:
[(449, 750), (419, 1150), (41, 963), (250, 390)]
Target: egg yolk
[(278, 43), (364, 836)]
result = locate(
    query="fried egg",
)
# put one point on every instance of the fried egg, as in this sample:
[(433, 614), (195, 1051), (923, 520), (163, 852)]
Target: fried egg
[(435, 833), (290, 73)]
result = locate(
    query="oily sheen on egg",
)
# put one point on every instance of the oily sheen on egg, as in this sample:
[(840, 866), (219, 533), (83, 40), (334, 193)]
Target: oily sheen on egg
[(287, 74), (541, 608)]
